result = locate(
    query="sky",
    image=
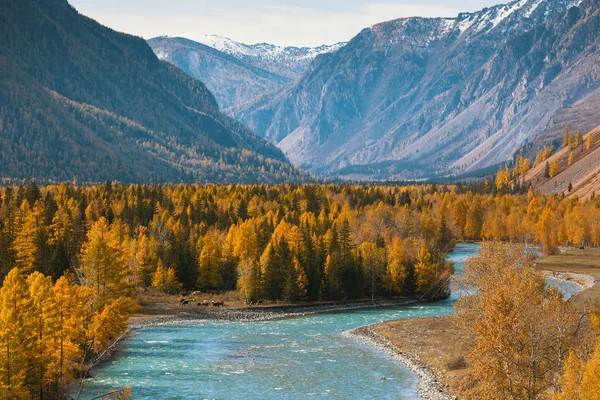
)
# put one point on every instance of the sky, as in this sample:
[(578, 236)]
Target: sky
[(281, 22)]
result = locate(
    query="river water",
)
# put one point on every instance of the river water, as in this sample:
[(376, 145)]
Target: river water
[(296, 358)]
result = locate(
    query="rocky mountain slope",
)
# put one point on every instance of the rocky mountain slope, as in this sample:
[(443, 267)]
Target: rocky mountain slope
[(78, 100), (583, 175), (235, 72), (420, 97)]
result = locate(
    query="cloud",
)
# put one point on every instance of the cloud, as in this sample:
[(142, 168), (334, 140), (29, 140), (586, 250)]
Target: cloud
[(282, 25)]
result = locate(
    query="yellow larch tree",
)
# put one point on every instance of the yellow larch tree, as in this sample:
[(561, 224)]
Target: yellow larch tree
[(578, 139), (521, 330), (210, 260), (373, 259), (42, 317), (301, 280), (524, 165), (31, 238), (554, 169), (71, 312), (502, 178), (16, 338), (424, 269), (581, 380), (172, 284), (103, 266), (590, 141), (109, 324), (396, 271), (543, 155)]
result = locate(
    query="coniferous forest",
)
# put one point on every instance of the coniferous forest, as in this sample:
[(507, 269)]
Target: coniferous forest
[(81, 102), (197, 205), (72, 258)]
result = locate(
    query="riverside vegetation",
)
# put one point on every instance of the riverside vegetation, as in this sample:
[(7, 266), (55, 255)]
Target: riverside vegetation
[(520, 345), (73, 258)]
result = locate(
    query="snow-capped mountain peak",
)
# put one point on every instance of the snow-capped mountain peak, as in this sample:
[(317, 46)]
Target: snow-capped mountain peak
[(265, 51)]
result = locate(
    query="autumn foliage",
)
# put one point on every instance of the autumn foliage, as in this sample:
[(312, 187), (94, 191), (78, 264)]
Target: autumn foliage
[(72, 257), (522, 331)]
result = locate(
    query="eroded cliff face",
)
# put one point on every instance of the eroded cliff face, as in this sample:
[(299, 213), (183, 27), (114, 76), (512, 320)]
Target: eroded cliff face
[(418, 97)]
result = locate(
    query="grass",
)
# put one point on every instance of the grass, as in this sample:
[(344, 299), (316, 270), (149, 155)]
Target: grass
[(588, 258)]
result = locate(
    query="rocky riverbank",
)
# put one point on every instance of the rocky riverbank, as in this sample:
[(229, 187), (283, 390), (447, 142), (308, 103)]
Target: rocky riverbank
[(189, 315), (436, 346), (584, 281), (430, 384)]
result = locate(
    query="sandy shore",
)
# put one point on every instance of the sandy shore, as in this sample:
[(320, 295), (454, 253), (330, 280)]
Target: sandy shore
[(433, 339), (430, 384)]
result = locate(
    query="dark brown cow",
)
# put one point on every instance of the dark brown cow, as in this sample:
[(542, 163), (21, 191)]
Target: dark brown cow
[(218, 303)]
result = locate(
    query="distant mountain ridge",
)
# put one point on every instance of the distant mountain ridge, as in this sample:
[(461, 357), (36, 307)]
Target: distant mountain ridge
[(419, 97), (235, 72), (289, 61), (80, 101)]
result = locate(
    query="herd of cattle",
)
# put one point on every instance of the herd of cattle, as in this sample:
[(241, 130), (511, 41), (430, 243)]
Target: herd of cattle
[(183, 301)]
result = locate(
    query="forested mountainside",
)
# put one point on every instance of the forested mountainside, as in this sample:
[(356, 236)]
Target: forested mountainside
[(79, 100), (419, 97), (572, 171), (235, 72)]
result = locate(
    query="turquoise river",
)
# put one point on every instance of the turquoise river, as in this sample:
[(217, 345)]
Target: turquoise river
[(295, 358)]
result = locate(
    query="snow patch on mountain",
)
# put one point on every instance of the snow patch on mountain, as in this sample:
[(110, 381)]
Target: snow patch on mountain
[(224, 44), (264, 51), (162, 55), (506, 11), (533, 7)]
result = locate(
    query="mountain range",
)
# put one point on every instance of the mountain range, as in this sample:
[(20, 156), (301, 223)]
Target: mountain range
[(429, 97), (237, 73), (81, 101)]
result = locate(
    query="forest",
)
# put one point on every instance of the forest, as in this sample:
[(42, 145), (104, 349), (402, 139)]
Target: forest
[(73, 257), (81, 102)]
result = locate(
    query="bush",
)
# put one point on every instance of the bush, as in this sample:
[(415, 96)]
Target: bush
[(457, 363)]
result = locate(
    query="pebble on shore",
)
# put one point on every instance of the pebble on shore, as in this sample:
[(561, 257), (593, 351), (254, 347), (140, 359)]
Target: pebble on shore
[(430, 386), (258, 314)]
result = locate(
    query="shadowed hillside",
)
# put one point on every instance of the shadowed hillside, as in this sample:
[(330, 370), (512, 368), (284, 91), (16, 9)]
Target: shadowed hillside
[(78, 100)]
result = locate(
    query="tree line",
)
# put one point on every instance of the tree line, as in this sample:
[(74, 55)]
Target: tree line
[(73, 257), (333, 238)]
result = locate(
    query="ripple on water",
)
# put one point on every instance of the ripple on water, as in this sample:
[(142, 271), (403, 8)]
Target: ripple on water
[(286, 359)]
